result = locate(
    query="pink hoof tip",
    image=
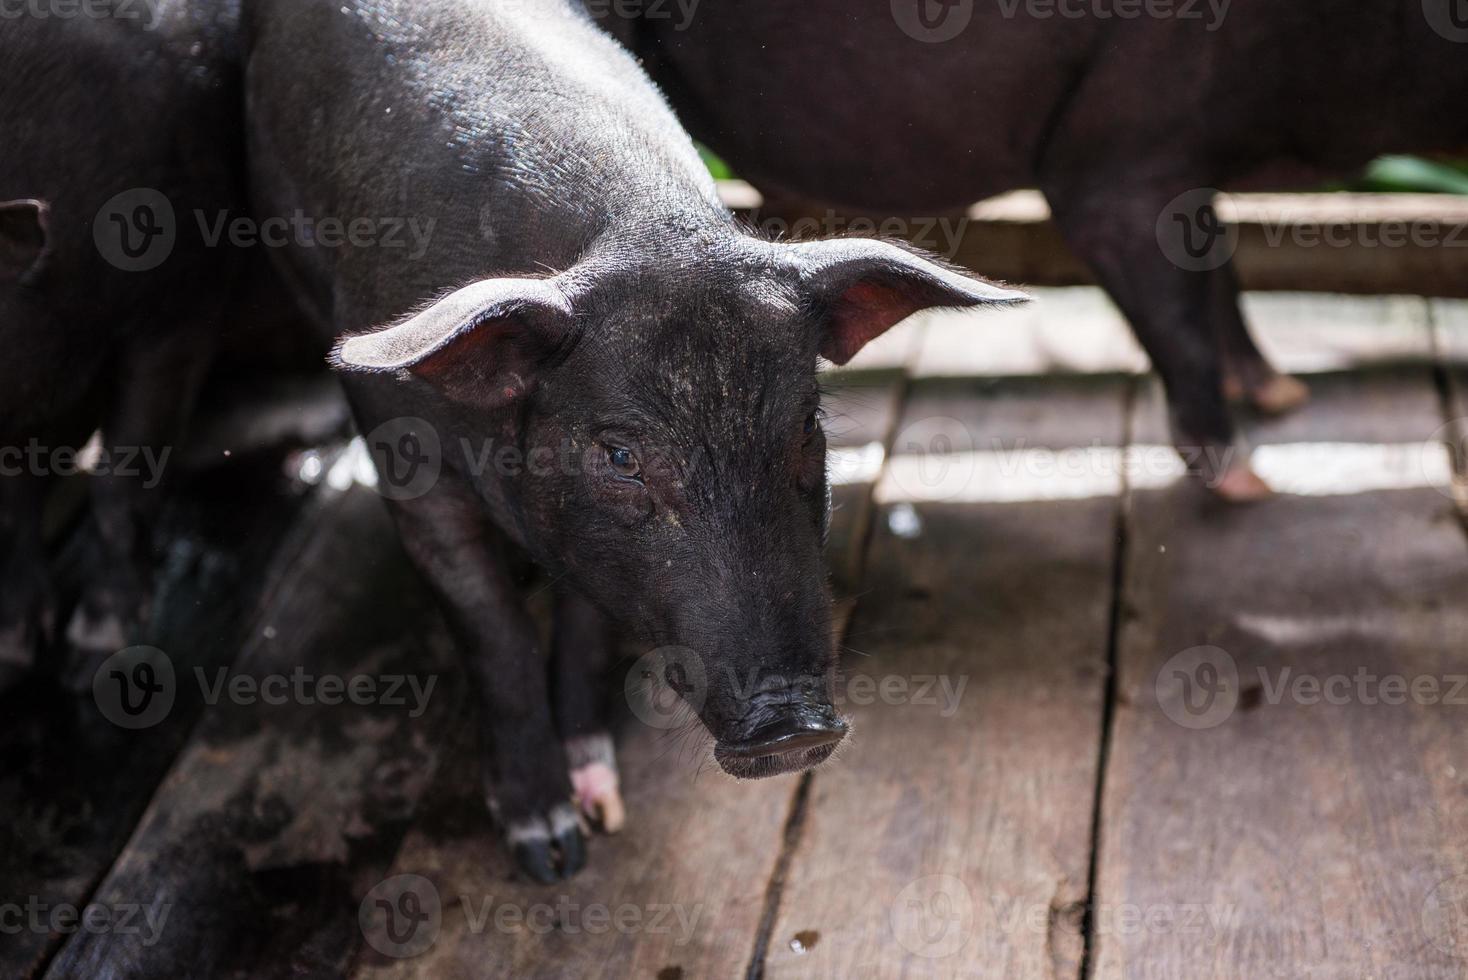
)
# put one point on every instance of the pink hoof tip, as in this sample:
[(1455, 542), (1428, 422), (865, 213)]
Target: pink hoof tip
[(598, 796), (1281, 394), (1241, 485)]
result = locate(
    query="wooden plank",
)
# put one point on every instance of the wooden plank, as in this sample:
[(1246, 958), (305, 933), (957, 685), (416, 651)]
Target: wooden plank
[(951, 838), (860, 409), (1450, 321), (1253, 828), (688, 876), (75, 784), (282, 802), (1306, 333), (1064, 331), (1347, 243)]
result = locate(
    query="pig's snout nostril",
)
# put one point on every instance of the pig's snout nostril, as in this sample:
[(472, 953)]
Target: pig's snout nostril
[(788, 735), (784, 732)]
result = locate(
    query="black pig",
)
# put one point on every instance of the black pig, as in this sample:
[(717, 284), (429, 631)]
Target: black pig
[(1124, 115), (108, 307), (585, 300)]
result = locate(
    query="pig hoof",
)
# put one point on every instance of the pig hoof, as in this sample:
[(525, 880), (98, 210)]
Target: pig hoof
[(1280, 394), (548, 848), (94, 633), (1240, 485), (593, 764)]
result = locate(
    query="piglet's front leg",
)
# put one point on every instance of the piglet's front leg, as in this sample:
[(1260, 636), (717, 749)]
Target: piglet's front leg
[(450, 539), (582, 651)]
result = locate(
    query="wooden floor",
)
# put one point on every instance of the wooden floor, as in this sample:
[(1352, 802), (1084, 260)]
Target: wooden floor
[(1103, 725)]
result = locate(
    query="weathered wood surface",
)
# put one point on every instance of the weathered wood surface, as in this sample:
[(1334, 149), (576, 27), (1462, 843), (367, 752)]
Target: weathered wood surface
[(952, 837), (257, 844), (1254, 828), (74, 784), (1450, 323)]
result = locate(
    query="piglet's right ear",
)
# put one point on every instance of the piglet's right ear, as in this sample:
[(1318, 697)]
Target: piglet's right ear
[(23, 243), (482, 345)]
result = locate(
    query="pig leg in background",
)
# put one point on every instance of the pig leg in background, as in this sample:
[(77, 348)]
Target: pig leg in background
[(450, 539), (1247, 375), (23, 586), (1113, 228), (159, 378), (582, 649)]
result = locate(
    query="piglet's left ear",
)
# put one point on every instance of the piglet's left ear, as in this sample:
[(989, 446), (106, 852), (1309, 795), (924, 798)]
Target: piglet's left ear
[(865, 286)]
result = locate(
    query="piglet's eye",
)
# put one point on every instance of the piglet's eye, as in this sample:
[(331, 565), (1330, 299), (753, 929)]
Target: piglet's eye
[(810, 424), (624, 462)]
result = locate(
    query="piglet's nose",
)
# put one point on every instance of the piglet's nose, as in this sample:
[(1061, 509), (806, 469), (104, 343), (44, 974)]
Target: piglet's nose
[(786, 725)]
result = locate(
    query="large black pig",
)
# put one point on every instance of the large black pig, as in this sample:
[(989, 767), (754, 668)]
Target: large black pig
[(583, 301), (119, 119), (1125, 113)]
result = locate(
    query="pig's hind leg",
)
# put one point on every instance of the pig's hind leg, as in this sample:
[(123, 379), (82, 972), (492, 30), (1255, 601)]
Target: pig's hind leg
[(1118, 229), (1247, 374), (582, 650)]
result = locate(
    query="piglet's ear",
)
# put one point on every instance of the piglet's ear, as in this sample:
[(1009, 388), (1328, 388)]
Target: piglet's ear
[(481, 345), (863, 287), (23, 244)]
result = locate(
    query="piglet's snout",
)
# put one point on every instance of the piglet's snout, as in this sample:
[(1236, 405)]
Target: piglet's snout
[(783, 731)]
